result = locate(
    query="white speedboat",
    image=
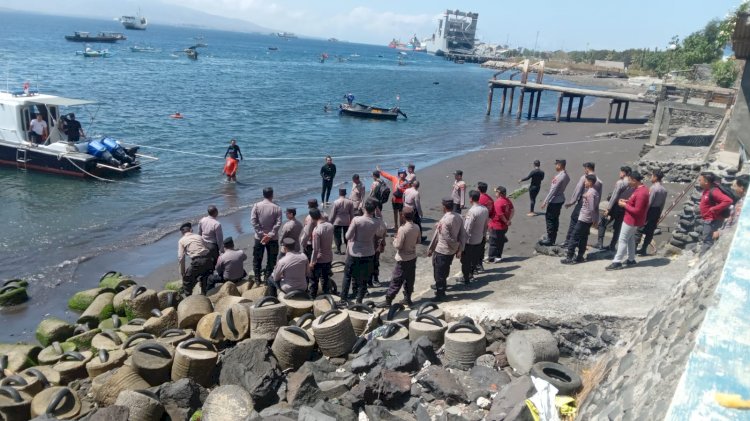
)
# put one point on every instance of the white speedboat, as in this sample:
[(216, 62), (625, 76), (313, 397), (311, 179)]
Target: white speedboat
[(58, 153)]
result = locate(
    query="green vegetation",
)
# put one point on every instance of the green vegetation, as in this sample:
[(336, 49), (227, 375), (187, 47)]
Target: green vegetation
[(725, 73)]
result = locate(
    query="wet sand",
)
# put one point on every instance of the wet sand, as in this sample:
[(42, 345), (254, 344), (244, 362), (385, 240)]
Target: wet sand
[(503, 163)]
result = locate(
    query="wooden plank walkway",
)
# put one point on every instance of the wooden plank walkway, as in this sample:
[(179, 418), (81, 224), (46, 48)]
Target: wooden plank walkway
[(536, 89)]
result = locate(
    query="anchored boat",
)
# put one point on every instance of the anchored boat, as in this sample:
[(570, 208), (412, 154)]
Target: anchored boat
[(88, 52), (59, 152), (108, 37), (368, 111)]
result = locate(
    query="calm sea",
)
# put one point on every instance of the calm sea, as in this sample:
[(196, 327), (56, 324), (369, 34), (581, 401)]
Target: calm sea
[(270, 101)]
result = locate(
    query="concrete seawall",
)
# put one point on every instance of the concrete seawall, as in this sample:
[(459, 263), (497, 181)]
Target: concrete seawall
[(691, 345)]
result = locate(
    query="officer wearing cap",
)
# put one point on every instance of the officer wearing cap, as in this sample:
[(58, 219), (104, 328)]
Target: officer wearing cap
[(229, 266), (554, 202), (191, 245), (342, 213), (448, 241), (290, 273), (292, 228)]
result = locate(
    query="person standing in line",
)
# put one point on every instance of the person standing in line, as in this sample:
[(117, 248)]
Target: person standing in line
[(358, 192), (475, 225), (635, 216), (292, 228), (374, 280), (305, 238), (411, 176), (536, 176), (413, 200), (404, 273), (341, 215), (327, 173), (486, 201), (499, 224), (266, 220), (229, 267), (575, 199), (587, 216), (615, 213), (320, 262), (290, 274), (210, 230), (361, 237), (657, 198), (458, 194), (448, 241), (714, 207), (376, 190), (192, 245), (739, 186), (554, 202), (233, 156), (397, 197)]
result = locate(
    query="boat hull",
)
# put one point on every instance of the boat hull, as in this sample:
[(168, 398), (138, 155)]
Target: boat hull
[(108, 40), (370, 112), (37, 159), (134, 26)]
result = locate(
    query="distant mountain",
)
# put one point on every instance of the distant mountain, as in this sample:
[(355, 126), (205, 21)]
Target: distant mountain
[(157, 13)]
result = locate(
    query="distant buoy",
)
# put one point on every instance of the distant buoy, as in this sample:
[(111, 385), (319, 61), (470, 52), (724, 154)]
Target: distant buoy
[(176, 115)]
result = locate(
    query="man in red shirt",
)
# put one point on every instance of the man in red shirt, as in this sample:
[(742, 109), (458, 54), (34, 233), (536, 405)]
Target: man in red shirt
[(714, 207), (397, 196), (636, 209), (499, 224)]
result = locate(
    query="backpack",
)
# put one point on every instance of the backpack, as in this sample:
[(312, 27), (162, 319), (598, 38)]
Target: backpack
[(382, 192), (729, 193)]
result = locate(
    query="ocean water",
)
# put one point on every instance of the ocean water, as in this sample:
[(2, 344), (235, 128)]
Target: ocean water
[(270, 101)]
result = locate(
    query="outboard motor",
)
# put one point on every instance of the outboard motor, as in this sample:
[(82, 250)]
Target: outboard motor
[(117, 151), (100, 152)]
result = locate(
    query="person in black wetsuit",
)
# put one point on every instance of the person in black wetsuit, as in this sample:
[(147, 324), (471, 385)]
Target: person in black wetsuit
[(327, 173), (233, 151), (536, 176)]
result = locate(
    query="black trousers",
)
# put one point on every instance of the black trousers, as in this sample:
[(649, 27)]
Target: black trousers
[(339, 235), (325, 194), (441, 266), (533, 193), (457, 208), (552, 218), (418, 222), (213, 252), (200, 268), (470, 258), (403, 274), (320, 270), (359, 269), (579, 239), (271, 250), (615, 217), (652, 220), (573, 223), (375, 273), (497, 242)]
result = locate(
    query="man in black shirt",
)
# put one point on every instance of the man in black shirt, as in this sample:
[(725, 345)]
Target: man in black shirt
[(327, 173), (536, 176), (73, 129), (231, 165), (233, 151)]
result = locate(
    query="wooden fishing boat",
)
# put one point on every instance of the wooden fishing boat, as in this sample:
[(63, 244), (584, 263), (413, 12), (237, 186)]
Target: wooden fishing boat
[(368, 111)]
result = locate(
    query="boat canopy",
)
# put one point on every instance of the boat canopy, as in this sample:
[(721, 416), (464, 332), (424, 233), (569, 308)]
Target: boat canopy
[(60, 101)]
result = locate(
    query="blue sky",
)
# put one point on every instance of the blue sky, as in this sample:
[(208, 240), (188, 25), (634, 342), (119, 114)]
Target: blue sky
[(576, 24), (561, 24)]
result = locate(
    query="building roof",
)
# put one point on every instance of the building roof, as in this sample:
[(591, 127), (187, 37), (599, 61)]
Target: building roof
[(741, 36)]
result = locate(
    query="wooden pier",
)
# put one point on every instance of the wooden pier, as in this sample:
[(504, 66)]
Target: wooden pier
[(535, 90)]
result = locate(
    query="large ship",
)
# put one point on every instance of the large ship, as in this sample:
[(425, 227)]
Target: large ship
[(134, 22), (108, 37), (287, 35), (456, 32)]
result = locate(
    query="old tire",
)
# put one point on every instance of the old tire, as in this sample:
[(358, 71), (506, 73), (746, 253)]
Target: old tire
[(566, 381)]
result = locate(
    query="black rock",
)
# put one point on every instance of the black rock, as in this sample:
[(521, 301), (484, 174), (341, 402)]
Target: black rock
[(380, 413), (307, 413), (506, 403), (442, 384), (181, 398), (251, 364), (423, 351), (338, 412), (110, 413), (388, 386), (392, 355), (279, 411), (302, 389)]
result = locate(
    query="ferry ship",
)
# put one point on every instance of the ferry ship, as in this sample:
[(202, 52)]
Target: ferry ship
[(456, 31), (134, 22)]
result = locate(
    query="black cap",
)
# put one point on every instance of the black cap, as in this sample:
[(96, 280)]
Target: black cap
[(448, 202), (342, 192), (458, 172), (537, 163), (288, 242), (312, 203), (228, 240), (293, 210), (561, 162), (186, 225)]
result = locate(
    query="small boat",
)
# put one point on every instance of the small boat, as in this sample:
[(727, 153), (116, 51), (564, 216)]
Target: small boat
[(273, 48), (368, 111), (108, 37), (286, 35), (142, 49), (58, 153), (355, 55), (134, 22), (88, 52)]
